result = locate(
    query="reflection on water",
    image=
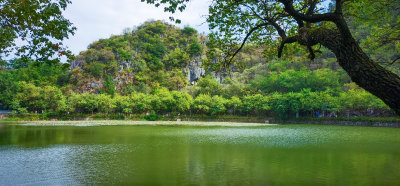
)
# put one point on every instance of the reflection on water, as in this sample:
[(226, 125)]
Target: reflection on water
[(182, 155)]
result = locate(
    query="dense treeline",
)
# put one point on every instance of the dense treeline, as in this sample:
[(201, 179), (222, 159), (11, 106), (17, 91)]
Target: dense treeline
[(143, 70), (31, 98)]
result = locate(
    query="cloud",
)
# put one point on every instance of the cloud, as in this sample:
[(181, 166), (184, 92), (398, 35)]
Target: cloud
[(96, 19)]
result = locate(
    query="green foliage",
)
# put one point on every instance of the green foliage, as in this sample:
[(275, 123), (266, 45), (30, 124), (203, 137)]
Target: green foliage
[(152, 116), (205, 104), (176, 58), (176, 80), (182, 101), (295, 81), (141, 102), (357, 98), (38, 99), (235, 104), (39, 24), (105, 103), (109, 86), (162, 101), (96, 69), (20, 63), (123, 104), (8, 87), (376, 24), (255, 104), (209, 85), (217, 105), (43, 74), (189, 31), (202, 103), (195, 49), (86, 103)]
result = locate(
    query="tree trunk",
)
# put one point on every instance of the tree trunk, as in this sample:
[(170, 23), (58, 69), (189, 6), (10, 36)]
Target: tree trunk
[(363, 71)]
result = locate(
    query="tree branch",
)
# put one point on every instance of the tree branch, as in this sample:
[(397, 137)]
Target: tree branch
[(291, 39), (312, 52), (245, 39), (310, 10), (394, 60), (338, 8), (280, 31), (314, 18)]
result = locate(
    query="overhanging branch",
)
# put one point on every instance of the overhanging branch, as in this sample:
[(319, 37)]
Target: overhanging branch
[(338, 8), (313, 18), (398, 58), (313, 5), (245, 39), (287, 40)]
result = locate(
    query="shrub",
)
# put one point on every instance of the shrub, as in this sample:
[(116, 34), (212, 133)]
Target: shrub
[(152, 117)]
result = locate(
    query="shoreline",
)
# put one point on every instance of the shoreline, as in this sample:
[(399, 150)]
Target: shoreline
[(199, 122), (137, 123), (204, 120)]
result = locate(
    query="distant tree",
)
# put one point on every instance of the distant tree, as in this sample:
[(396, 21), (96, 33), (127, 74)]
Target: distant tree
[(202, 103), (141, 102), (96, 69), (255, 104), (296, 80), (39, 99), (209, 85), (182, 101), (217, 105), (189, 30), (123, 104), (176, 58), (162, 100), (8, 86), (195, 49), (109, 86), (176, 80), (84, 102), (235, 104), (105, 103)]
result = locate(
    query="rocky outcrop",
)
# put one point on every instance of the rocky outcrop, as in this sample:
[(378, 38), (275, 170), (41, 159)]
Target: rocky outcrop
[(77, 63), (194, 70)]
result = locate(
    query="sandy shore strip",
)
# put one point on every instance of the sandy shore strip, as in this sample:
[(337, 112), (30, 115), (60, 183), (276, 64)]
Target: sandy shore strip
[(117, 122)]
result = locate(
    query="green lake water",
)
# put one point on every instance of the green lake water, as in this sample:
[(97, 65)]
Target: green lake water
[(199, 155)]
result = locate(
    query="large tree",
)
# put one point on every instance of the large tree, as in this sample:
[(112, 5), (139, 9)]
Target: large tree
[(307, 23), (34, 29)]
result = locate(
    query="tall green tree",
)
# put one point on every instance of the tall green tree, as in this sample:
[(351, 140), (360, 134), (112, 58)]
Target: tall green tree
[(304, 22), (109, 86)]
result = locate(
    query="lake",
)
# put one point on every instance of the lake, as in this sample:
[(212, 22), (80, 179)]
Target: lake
[(199, 155)]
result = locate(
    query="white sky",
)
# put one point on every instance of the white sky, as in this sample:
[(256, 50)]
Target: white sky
[(96, 19)]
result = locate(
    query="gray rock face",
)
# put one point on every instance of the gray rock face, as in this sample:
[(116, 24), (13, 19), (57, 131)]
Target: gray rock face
[(220, 76), (194, 70), (124, 65), (77, 63), (94, 85)]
